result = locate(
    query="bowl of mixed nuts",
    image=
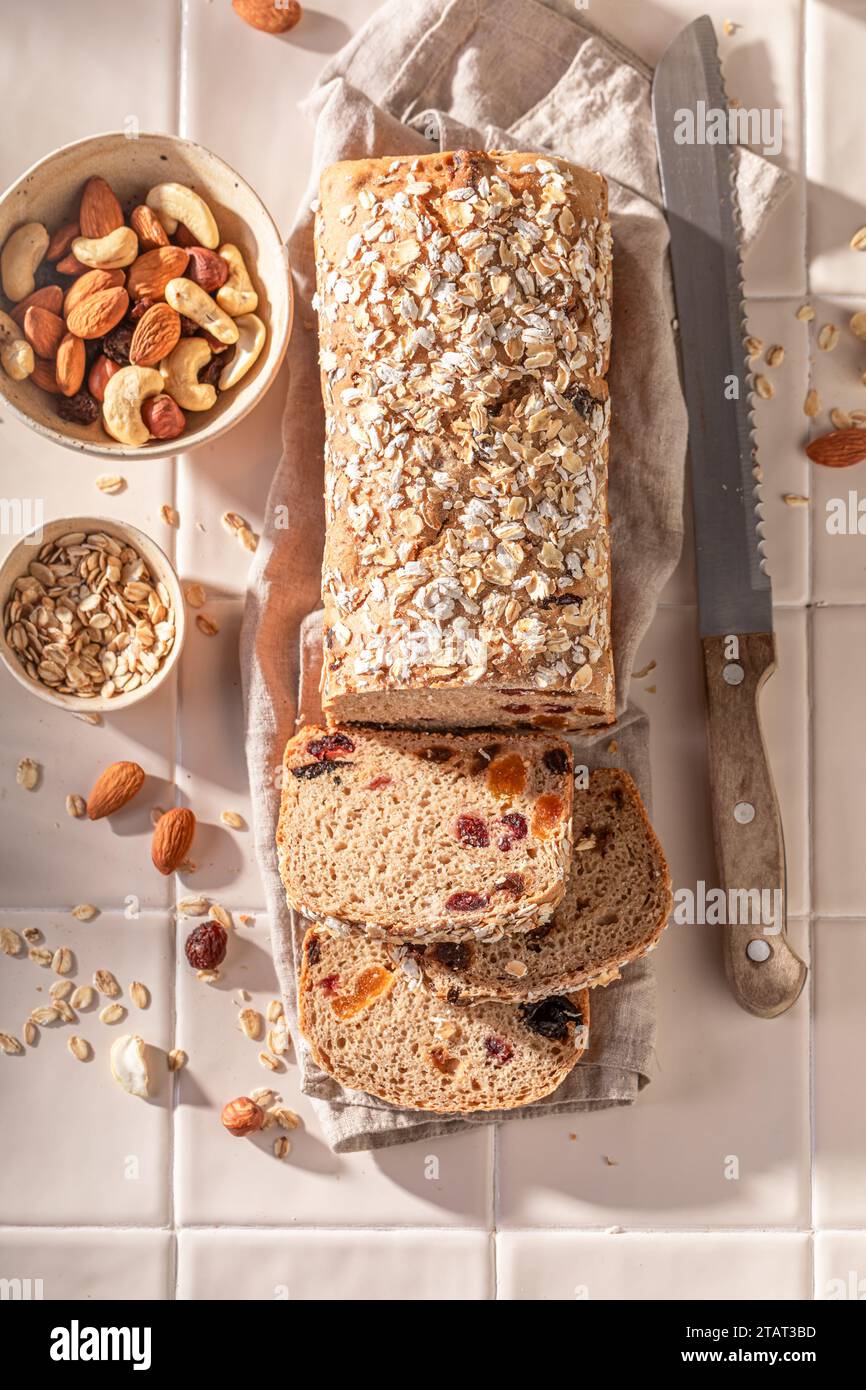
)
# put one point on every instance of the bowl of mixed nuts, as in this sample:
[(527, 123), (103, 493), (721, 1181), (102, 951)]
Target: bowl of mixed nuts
[(146, 296), (92, 614)]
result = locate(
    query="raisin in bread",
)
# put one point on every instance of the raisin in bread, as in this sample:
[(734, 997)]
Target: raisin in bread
[(419, 837), (373, 1028), (464, 327), (616, 905)]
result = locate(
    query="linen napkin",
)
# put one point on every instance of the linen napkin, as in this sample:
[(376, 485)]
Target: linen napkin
[(507, 74)]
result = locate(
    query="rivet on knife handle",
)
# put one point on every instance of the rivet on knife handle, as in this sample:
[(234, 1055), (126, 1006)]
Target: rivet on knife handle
[(765, 973)]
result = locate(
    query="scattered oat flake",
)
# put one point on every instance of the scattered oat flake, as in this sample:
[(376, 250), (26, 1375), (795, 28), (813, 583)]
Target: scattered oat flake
[(763, 387), (828, 337), (44, 1015), (27, 774), (278, 1040), (805, 313), (268, 1062), (282, 1147), (189, 866), (840, 419), (645, 670), (195, 595), (76, 806), (112, 1013), (221, 915), (139, 994), (40, 955), (812, 404), (29, 1031), (754, 346), (285, 1118), (85, 912), (192, 907), (858, 240), (263, 1095), (112, 483), (79, 1047), (176, 1059), (169, 515), (233, 522), (613, 746), (274, 1010), (106, 984), (94, 719), (730, 27), (248, 539), (60, 989), (65, 1011), (775, 355), (250, 1023), (650, 689), (857, 324), (206, 625), (207, 977), (516, 968), (611, 1162), (10, 942), (61, 962), (11, 1046), (795, 499), (83, 997), (232, 820), (31, 935)]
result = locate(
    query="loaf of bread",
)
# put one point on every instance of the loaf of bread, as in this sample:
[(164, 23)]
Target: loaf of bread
[(421, 837), (616, 905), (464, 324), (373, 1028)]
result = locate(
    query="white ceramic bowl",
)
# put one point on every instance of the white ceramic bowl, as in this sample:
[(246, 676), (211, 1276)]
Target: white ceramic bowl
[(50, 191), (17, 563)]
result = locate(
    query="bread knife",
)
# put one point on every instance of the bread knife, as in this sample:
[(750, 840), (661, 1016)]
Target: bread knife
[(735, 601)]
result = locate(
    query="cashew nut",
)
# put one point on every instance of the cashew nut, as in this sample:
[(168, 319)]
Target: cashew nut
[(190, 299), (16, 354), (251, 340), (125, 393), (21, 255), (180, 375), (110, 252), (174, 202), (237, 295)]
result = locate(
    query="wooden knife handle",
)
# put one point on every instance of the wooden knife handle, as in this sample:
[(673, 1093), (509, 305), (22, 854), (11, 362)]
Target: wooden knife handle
[(750, 849)]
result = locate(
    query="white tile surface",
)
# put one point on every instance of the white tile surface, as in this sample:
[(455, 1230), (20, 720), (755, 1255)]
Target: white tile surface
[(840, 1265), (565, 1265), (840, 1087), (836, 162), (839, 753), (70, 1265), (335, 1265)]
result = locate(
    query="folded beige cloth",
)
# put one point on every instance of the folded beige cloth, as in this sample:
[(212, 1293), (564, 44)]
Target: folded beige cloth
[(507, 74)]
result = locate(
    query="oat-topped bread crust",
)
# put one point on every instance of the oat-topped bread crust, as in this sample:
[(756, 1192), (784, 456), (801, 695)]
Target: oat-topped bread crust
[(372, 1027), (422, 837), (464, 325), (616, 905)]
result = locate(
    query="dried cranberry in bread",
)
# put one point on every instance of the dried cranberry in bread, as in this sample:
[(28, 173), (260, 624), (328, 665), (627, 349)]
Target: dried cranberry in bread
[(373, 1028), (464, 327), (421, 837), (616, 905)]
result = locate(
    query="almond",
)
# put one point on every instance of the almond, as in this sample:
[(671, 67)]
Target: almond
[(268, 17), (89, 284), (206, 268), (43, 331), (839, 448), (172, 838), (70, 365), (70, 265), (43, 376), (112, 789), (100, 212), (156, 334), (149, 275), (98, 313), (61, 241), (51, 297), (147, 227)]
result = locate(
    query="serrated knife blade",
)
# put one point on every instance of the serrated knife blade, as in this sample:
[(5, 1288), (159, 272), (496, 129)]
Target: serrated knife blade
[(703, 216), (734, 593)]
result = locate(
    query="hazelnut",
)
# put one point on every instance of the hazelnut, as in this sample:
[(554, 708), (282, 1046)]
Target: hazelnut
[(242, 1116)]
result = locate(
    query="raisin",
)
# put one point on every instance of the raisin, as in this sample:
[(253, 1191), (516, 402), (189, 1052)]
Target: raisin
[(516, 709), (583, 401), (377, 783), (512, 884), (323, 747), (307, 771), (515, 829), (370, 984), (330, 983), (551, 1017), (206, 946), (314, 950), (555, 709), (498, 1049), (547, 814), (140, 307), (556, 760), (48, 274), (533, 939), (188, 327), (466, 902), (453, 955), (560, 601), (116, 343), (506, 776), (436, 754), (472, 830), (80, 409), (454, 995), (210, 374), (443, 1061)]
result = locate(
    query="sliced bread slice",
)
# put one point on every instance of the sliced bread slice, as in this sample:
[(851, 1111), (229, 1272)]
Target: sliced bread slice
[(616, 905), (423, 837), (373, 1027)]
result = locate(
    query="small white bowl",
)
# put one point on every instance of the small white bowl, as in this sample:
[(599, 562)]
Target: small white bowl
[(50, 191), (17, 563)]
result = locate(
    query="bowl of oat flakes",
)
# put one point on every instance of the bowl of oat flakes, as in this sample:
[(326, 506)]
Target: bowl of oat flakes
[(92, 614)]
